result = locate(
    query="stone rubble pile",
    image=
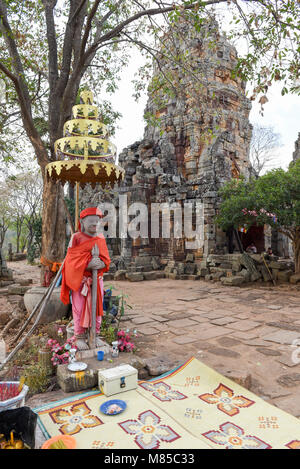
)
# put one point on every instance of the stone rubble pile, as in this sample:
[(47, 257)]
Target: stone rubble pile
[(229, 269)]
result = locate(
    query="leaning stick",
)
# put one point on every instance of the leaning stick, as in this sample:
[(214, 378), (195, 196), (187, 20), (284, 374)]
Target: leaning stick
[(272, 278), (46, 299)]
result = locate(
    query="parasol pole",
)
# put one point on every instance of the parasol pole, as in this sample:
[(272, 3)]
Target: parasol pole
[(76, 205)]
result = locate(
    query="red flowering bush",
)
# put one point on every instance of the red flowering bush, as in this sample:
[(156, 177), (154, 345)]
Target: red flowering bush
[(124, 341), (61, 353)]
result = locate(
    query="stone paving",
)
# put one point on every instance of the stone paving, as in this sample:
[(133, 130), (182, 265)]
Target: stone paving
[(241, 332)]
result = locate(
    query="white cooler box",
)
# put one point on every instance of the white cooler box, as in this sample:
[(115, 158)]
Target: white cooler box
[(119, 379)]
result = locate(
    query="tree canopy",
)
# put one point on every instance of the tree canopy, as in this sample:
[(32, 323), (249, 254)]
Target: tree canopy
[(273, 199)]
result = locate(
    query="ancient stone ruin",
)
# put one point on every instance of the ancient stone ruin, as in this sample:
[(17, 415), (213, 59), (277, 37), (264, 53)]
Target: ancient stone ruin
[(199, 140), (6, 275), (296, 154)]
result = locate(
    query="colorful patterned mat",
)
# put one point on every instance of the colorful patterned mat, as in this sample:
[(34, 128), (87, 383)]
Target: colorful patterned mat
[(190, 407)]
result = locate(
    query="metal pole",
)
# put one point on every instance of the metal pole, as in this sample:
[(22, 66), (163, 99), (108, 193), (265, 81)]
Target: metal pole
[(76, 206)]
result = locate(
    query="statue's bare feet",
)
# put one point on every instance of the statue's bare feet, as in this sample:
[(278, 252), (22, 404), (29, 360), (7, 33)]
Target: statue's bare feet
[(81, 343)]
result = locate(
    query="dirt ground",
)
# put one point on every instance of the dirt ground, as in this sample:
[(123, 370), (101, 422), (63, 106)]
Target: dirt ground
[(249, 333)]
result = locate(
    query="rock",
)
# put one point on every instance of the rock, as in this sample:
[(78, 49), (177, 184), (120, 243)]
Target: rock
[(234, 281), (17, 289), (172, 275), (112, 268), (208, 277), (150, 275), (25, 282), (236, 266), (228, 341), (193, 277), (5, 283), (265, 274), (203, 271), (143, 374), (284, 275), (137, 362), (155, 264), (257, 258), (289, 380), (183, 277), (274, 273), (4, 318), (255, 276), (180, 268), (277, 265), (120, 275), (284, 325), (295, 278), (19, 256), (268, 352), (107, 276), (245, 274), (226, 266), (134, 276), (241, 377), (190, 268), (54, 309), (17, 300), (224, 352), (218, 275), (160, 274), (158, 366)]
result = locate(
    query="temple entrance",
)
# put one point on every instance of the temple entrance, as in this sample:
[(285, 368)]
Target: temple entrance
[(254, 235)]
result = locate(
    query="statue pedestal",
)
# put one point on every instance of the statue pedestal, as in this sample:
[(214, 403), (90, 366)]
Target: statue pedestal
[(81, 355), (70, 381)]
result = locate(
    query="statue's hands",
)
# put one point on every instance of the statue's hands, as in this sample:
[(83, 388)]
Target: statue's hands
[(95, 263)]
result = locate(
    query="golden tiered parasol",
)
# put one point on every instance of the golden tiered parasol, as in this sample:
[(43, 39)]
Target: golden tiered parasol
[(84, 154)]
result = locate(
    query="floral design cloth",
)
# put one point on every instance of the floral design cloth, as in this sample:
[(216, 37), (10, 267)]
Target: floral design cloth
[(190, 407)]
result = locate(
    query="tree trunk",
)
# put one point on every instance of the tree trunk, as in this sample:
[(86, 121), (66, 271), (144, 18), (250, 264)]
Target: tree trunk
[(54, 227), (296, 248)]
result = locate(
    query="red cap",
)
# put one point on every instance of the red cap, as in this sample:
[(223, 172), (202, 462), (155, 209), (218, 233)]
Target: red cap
[(91, 211)]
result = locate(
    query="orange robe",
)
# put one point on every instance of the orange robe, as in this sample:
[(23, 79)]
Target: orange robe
[(74, 269)]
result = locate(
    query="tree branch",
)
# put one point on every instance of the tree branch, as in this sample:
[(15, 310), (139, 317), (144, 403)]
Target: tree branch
[(149, 12), (18, 80), (52, 44)]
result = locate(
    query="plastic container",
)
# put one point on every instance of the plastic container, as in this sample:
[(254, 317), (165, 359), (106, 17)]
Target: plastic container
[(22, 422), (14, 402), (68, 440)]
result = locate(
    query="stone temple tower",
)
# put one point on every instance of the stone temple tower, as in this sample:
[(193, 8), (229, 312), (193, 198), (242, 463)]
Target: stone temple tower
[(199, 140), (296, 154)]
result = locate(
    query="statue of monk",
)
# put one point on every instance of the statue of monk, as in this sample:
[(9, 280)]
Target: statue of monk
[(77, 275)]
